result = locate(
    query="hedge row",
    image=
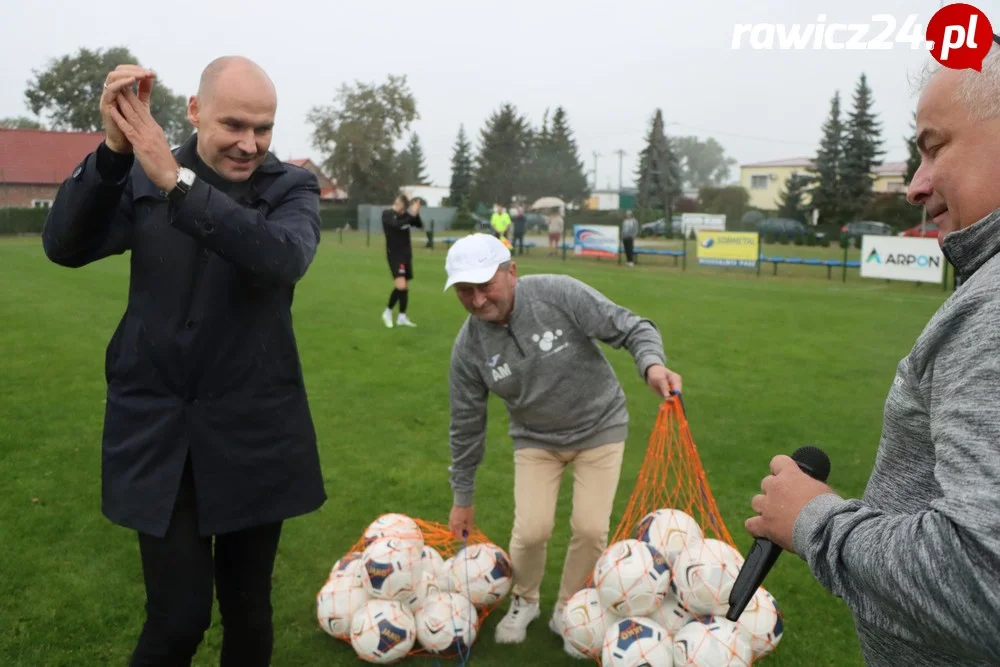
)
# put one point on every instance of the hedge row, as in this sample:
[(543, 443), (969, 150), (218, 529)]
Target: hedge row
[(31, 220)]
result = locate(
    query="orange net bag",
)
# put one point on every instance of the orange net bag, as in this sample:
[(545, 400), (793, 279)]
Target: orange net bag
[(662, 586), (373, 595)]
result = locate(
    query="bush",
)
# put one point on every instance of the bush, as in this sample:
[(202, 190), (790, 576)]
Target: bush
[(800, 238), (824, 241), (811, 239), (22, 220), (857, 242), (463, 220), (783, 238)]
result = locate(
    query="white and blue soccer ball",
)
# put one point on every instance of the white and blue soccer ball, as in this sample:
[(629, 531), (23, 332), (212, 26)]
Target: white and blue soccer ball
[(636, 642), (761, 622), (447, 624), (703, 577), (383, 632), (336, 604), (585, 622), (482, 573), (395, 525), (670, 615), (350, 565), (712, 642), (393, 569), (632, 578), (671, 531)]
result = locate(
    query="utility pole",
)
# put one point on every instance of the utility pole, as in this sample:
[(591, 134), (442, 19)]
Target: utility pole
[(621, 155), (596, 155)]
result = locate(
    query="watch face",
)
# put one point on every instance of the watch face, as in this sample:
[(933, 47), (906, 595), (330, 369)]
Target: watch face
[(185, 176)]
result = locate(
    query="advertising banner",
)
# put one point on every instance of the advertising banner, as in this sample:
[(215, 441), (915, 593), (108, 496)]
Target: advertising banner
[(596, 240), (902, 258), (728, 249)]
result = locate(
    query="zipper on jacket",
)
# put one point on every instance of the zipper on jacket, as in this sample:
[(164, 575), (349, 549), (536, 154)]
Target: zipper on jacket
[(516, 343)]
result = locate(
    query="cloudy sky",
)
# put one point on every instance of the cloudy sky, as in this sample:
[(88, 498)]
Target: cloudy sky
[(610, 64)]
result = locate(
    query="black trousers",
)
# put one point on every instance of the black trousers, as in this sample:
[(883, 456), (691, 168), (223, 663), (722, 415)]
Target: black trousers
[(180, 570), (629, 249), (519, 242)]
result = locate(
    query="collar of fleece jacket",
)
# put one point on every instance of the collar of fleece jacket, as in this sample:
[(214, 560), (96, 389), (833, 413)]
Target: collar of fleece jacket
[(968, 249)]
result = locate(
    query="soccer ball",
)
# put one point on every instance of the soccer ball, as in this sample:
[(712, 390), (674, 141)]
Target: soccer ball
[(670, 531), (393, 525), (670, 615), (726, 552), (631, 578), (481, 572), (447, 624), (712, 642), (432, 562), (351, 565), (383, 631), (393, 569), (762, 624), (634, 642), (585, 622), (336, 604), (427, 586), (704, 577)]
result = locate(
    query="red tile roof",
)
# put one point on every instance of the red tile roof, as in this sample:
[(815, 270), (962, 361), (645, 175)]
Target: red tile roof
[(298, 162), (42, 156)]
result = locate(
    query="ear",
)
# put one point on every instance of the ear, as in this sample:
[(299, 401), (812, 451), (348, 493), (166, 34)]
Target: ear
[(193, 110)]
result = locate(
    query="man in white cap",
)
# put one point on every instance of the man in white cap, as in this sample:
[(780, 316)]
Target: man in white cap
[(533, 343)]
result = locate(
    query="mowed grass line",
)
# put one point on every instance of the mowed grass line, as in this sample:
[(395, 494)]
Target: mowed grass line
[(769, 364)]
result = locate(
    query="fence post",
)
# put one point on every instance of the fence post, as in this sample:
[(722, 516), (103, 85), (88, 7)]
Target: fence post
[(760, 253), (368, 231), (563, 241), (684, 256), (846, 246), (341, 235), (430, 236)]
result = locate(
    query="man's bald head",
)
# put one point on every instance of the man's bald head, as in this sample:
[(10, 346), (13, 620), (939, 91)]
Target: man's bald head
[(232, 70), (234, 114)]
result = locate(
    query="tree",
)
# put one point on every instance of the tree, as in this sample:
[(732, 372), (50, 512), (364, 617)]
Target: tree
[(826, 188), (357, 134), (504, 152), (790, 203), (659, 173), (570, 181), (703, 163), (69, 90), (19, 123), (412, 169), (461, 171), (862, 148), (913, 153)]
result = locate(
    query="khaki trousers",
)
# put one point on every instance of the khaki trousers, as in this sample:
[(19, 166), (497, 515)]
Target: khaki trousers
[(537, 476)]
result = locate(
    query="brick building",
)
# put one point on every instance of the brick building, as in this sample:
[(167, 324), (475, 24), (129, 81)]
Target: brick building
[(33, 163), (329, 190)]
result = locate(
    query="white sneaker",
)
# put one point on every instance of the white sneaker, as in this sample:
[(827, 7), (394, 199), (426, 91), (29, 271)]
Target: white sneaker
[(513, 628), (387, 318), (404, 321)]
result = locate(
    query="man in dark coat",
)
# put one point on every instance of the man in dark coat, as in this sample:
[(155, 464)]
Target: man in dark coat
[(207, 432)]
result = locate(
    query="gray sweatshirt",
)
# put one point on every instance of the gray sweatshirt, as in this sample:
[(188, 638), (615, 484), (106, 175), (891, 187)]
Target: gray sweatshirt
[(547, 366), (917, 559), (630, 227)]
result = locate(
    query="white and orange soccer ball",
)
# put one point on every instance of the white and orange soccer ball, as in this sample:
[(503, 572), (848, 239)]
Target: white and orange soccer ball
[(447, 624), (585, 622), (632, 642), (632, 578), (383, 632), (703, 577), (761, 622), (481, 572), (393, 569), (671, 531), (395, 525), (336, 604), (712, 642)]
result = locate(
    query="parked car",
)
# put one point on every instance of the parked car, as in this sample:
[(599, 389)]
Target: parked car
[(862, 227), (782, 225), (928, 230)]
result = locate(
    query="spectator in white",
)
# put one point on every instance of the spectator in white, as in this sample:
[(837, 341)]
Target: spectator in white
[(555, 225), (630, 229), (533, 342), (917, 558)]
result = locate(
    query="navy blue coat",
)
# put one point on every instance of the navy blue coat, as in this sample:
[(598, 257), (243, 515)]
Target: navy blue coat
[(204, 360)]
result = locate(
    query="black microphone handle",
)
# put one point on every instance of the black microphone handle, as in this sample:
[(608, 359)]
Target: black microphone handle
[(758, 563)]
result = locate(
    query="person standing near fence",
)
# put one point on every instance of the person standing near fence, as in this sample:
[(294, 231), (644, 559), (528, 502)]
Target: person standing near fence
[(500, 221), (533, 342), (630, 229), (554, 222), (396, 224), (208, 442), (520, 224)]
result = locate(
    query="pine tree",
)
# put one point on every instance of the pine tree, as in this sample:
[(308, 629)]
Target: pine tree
[(826, 190), (504, 152), (862, 148), (461, 171), (913, 153), (540, 171), (412, 168), (569, 176), (790, 203), (659, 172)]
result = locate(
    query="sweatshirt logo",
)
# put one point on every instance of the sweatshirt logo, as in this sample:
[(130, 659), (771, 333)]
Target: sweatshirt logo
[(501, 372), (493, 361), (546, 340)]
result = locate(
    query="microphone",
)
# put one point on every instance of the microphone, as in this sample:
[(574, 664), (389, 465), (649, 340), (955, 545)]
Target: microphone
[(814, 462)]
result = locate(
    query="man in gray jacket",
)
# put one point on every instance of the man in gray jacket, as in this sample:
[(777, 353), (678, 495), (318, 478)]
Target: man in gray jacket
[(533, 342), (917, 558), (630, 229)]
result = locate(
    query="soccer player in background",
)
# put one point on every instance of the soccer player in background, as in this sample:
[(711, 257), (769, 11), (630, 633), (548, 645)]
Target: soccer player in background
[(396, 224)]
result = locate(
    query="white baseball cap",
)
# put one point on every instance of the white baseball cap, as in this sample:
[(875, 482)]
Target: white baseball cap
[(475, 259)]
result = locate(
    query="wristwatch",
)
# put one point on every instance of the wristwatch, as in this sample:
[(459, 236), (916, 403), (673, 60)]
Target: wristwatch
[(185, 179)]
